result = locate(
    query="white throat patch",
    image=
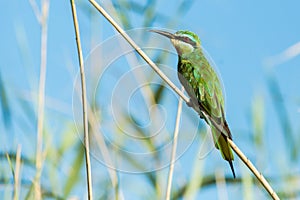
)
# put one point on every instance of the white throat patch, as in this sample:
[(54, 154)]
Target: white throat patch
[(182, 47)]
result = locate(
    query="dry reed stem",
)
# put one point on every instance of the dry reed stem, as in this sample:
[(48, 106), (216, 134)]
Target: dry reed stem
[(174, 147), (84, 103)]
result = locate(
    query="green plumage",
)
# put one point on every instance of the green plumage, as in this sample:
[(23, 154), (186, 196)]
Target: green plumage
[(203, 86)]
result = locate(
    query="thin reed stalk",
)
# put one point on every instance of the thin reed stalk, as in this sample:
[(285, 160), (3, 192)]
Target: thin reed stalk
[(174, 147), (84, 103)]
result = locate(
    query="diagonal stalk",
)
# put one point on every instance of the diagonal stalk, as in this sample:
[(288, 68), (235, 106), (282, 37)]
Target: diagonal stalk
[(247, 162)]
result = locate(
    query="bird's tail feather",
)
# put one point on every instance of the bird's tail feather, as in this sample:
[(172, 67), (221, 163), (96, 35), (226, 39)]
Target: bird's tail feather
[(222, 144), (232, 168)]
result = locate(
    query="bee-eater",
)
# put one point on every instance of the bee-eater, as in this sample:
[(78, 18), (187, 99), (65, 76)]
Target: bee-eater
[(203, 87)]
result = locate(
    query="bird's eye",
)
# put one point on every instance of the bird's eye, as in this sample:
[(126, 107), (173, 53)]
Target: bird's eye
[(189, 41), (186, 39)]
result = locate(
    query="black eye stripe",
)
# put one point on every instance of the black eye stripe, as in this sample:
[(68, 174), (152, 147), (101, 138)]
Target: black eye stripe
[(187, 40)]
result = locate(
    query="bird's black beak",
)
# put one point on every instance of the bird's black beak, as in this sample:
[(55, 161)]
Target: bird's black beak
[(164, 33)]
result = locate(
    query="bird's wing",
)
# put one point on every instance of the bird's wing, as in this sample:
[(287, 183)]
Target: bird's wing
[(204, 89), (188, 88), (210, 95)]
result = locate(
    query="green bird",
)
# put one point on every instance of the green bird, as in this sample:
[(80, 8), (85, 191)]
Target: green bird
[(203, 87)]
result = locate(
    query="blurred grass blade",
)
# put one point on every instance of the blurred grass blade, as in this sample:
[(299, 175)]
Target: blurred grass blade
[(4, 104), (159, 93), (258, 119), (17, 174), (150, 13), (258, 124), (122, 14), (221, 185), (196, 177), (10, 164), (13, 156), (29, 194), (247, 183), (280, 108), (74, 172)]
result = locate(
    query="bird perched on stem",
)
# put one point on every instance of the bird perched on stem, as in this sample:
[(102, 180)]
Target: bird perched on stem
[(203, 86)]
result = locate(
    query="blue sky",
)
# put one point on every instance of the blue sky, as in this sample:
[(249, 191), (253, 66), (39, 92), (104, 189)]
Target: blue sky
[(241, 37)]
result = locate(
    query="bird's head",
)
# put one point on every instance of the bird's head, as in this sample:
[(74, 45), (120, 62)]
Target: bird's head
[(185, 42)]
